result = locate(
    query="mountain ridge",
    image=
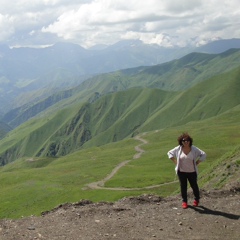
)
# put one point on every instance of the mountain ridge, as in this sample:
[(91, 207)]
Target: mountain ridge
[(175, 75), (27, 70), (117, 115)]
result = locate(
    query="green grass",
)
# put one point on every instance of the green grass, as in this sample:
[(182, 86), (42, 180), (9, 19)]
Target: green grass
[(118, 115), (32, 185)]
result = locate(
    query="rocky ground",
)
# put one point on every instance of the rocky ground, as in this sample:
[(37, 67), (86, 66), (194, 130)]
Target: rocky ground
[(144, 217)]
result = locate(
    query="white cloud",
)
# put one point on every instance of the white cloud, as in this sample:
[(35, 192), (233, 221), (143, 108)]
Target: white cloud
[(182, 5), (90, 22), (6, 26)]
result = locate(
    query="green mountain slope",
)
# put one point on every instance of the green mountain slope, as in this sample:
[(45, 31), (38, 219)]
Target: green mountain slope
[(172, 76), (68, 129), (19, 115), (206, 99), (4, 129), (28, 138), (118, 115), (30, 186)]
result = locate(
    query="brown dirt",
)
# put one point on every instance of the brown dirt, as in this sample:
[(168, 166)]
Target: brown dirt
[(145, 217)]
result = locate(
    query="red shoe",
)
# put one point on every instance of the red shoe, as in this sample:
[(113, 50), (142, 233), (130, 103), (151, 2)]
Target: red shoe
[(195, 203), (184, 205)]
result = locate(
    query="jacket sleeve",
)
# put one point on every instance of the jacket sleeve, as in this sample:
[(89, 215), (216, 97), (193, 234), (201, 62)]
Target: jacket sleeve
[(172, 153), (201, 155)]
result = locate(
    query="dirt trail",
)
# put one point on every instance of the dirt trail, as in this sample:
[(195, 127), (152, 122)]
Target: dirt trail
[(140, 151)]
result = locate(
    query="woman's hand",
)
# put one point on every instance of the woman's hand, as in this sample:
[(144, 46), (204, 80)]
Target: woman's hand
[(174, 160)]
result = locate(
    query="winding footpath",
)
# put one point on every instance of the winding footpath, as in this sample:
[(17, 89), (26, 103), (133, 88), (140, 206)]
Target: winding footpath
[(140, 151)]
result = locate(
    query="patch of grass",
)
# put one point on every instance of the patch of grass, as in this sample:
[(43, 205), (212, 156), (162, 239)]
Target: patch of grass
[(30, 189)]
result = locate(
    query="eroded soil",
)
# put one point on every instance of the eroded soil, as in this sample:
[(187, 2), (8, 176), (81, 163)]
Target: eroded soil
[(144, 217)]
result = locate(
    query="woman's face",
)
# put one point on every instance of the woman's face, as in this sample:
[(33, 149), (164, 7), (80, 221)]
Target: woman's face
[(185, 142)]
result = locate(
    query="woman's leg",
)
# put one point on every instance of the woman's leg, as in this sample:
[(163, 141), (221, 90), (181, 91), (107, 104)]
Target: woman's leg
[(192, 178), (183, 184)]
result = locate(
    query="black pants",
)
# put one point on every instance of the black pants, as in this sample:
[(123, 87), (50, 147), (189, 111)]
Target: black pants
[(184, 178)]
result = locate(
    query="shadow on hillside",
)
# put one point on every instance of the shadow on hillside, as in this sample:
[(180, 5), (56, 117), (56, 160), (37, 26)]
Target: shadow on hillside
[(204, 210)]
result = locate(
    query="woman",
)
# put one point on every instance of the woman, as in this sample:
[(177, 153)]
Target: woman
[(186, 158)]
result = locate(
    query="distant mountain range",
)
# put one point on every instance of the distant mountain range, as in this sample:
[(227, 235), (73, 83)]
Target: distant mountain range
[(112, 106), (28, 74)]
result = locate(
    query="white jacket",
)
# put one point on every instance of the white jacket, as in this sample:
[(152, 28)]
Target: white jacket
[(198, 154)]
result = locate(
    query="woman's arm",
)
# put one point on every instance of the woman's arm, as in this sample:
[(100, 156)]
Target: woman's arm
[(200, 155), (174, 160), (172, 154)]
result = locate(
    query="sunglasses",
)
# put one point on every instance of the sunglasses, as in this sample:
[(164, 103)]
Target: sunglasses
[(185, 140)]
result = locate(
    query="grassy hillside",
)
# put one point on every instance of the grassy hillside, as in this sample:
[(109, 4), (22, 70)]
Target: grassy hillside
[(118, 115), (206, 99), (51, 159), (112, 116), (32, 185), (176, 75), (20, 115), (27, 139), (171, 76), (4, 128)]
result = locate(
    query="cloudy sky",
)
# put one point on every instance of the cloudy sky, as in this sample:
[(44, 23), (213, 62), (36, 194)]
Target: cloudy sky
[(92, 22)]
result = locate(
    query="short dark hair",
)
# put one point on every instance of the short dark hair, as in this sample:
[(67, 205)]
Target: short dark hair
[(185, 136)]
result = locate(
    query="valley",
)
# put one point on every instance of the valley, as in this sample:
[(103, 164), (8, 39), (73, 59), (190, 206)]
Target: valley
[(106, 139)]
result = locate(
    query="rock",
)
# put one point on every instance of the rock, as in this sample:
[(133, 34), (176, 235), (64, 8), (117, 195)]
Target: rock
[(31, 228)]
